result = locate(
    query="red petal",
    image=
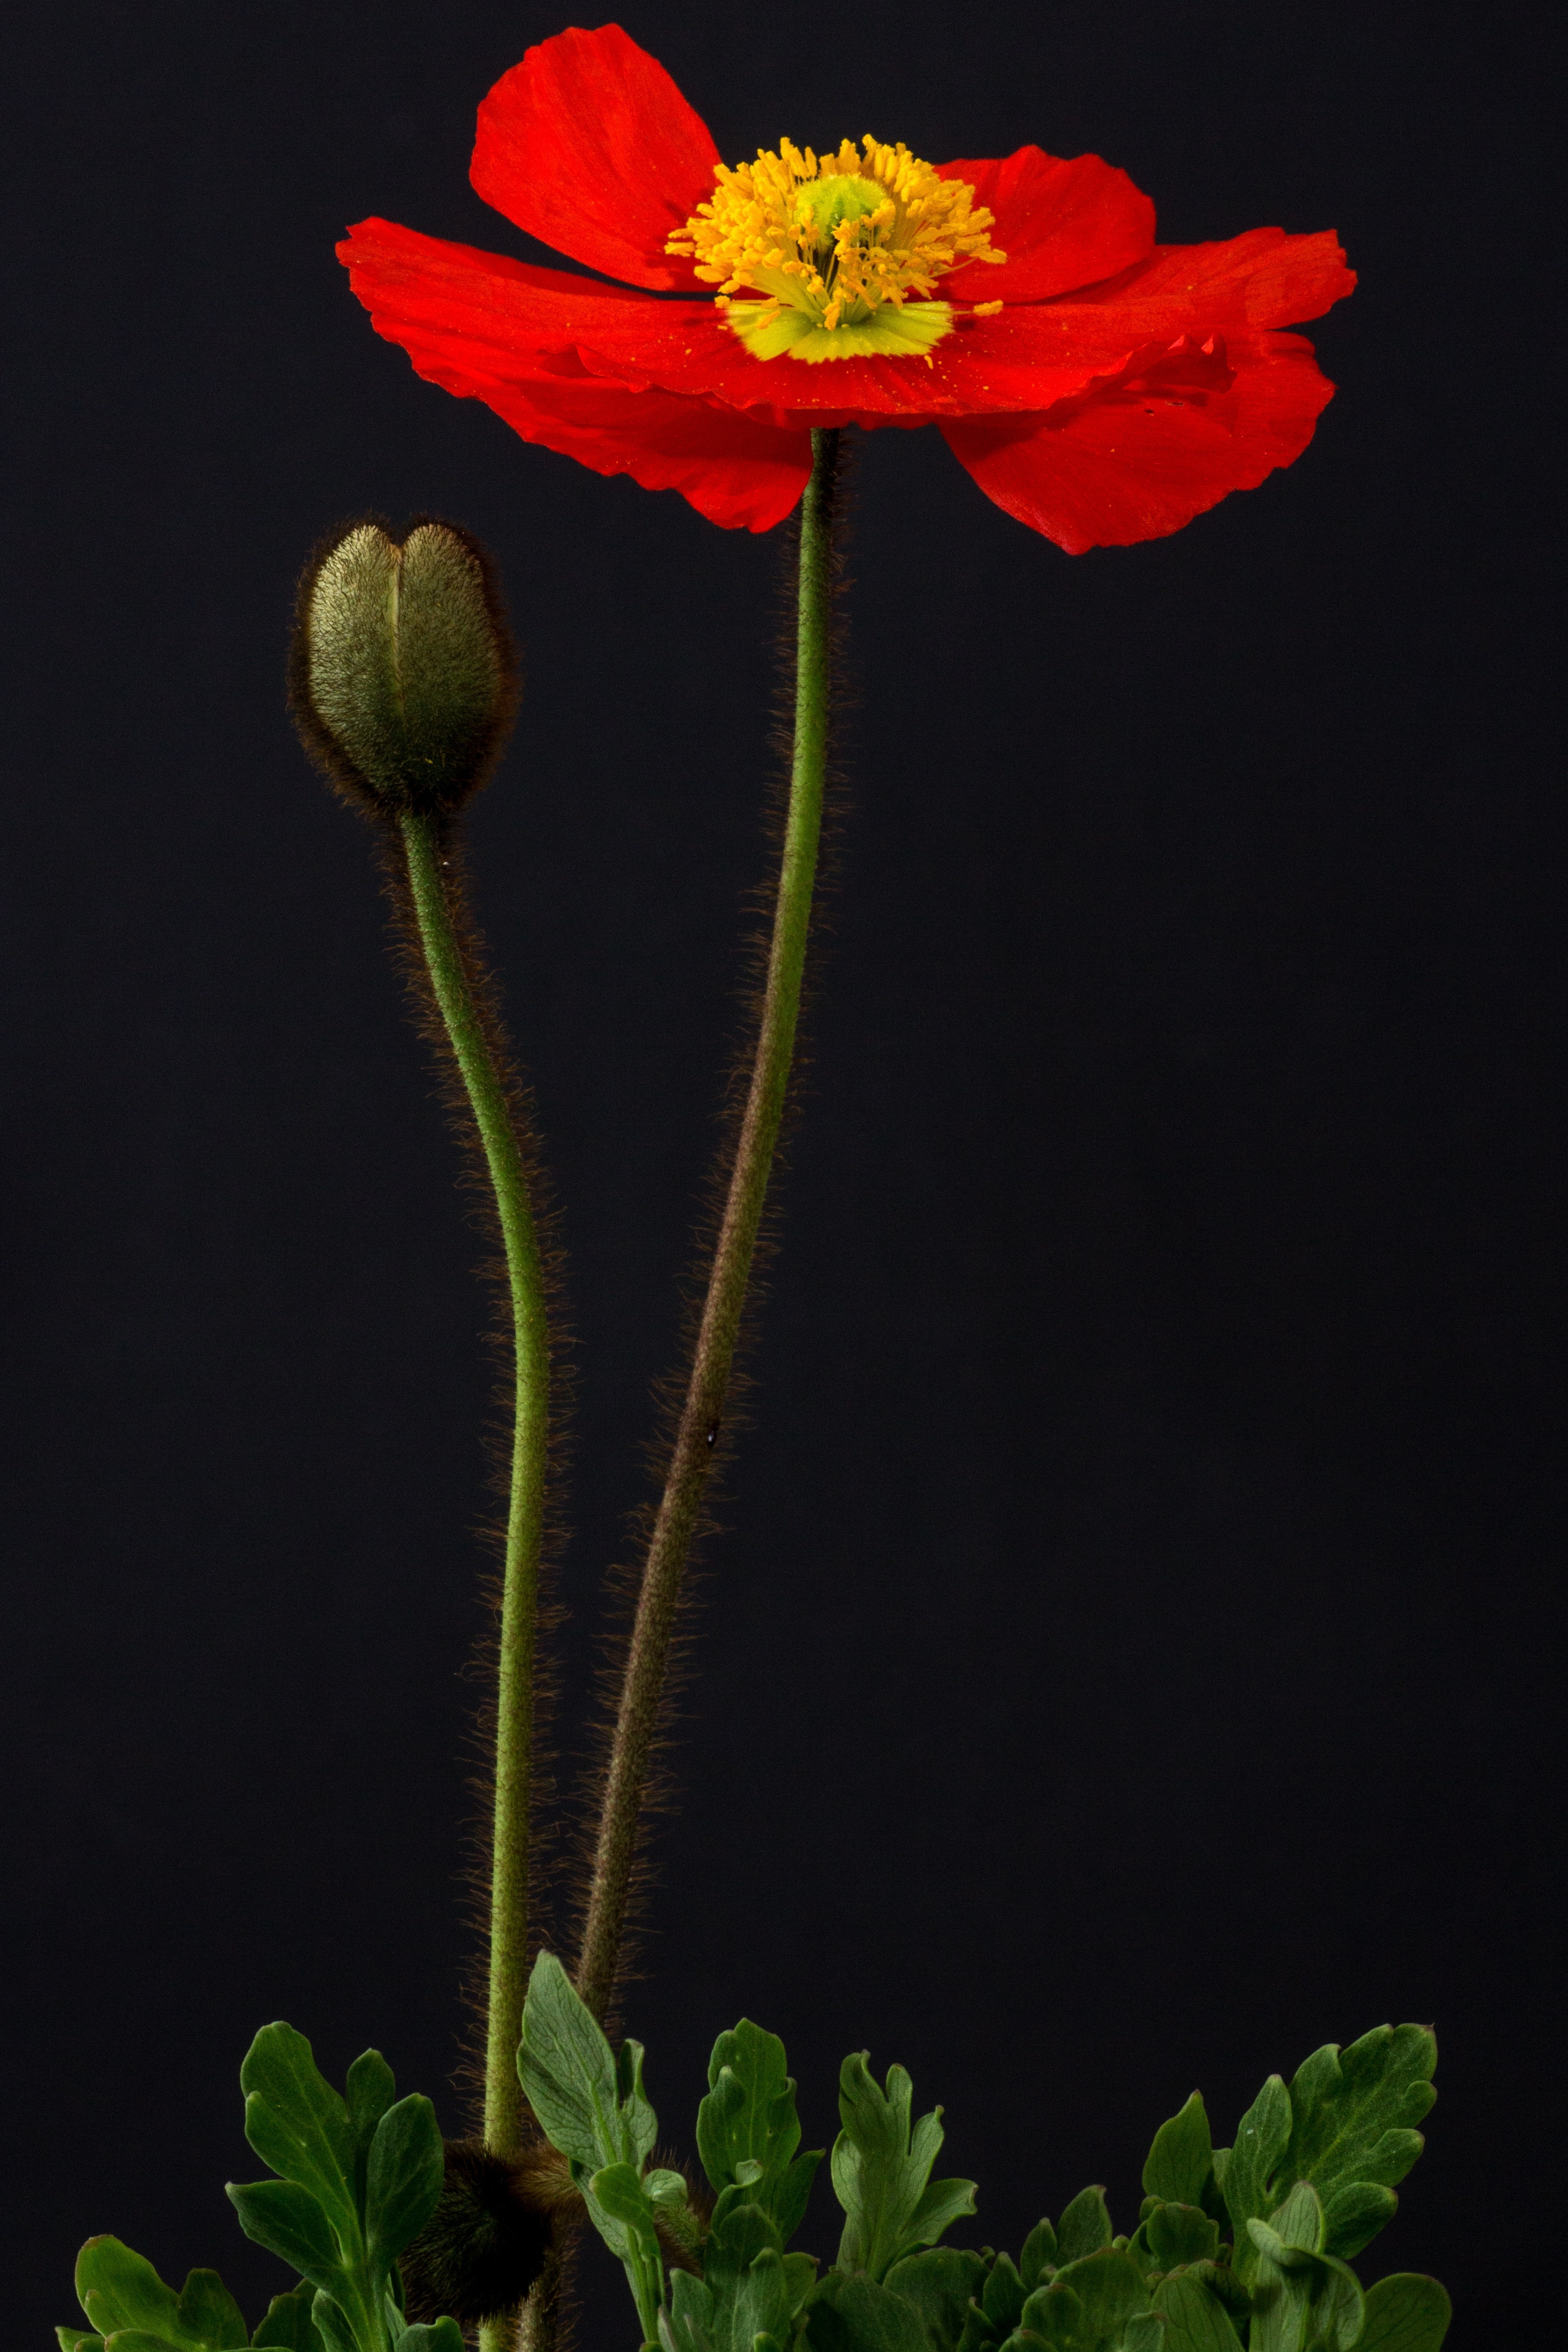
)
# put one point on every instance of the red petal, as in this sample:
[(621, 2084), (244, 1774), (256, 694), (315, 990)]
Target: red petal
[(505, 332), (1060, 224), (1138, 460), (589, 146), (734, 469), (1262, 279), (519, 312)]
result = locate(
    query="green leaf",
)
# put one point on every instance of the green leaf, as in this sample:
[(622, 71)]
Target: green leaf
[(1300, 2295), (1039, 2253), (1355, 2114), (298, 2124), (1177, 2235), (790, 2192), (1406, 2313), (288, 2325), (332, 2325), (620, 2192), (1353, 2215), (121, 2291), (1261, 2138), (568, 2071), (435, 2335), (853, 2313), (404, 2175), (1196, 2321), (750, 2290), (683, 2327), (752, 2301), (623, 2213), (749, 2116), (117, 2288), (1296, 2229), (882, 2166), (1347, 2125), (208, 2315), (800, 2281), (638, 2122), (369, 2090), (1181, 2160), (1003, 2296), (939, 2283), (750, 2110), (287, 2221), (1084, 2227), (1097, 2304), (72, 2339)]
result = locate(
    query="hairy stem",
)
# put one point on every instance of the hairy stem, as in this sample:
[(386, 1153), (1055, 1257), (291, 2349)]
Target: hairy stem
[(525, 1510), (637, 1721)]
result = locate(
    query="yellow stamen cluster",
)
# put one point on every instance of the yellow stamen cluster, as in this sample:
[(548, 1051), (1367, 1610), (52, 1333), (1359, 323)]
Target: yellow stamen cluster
[(842, 241)]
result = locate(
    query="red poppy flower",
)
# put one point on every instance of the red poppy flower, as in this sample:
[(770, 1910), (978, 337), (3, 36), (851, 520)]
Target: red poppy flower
[(1099, 386)]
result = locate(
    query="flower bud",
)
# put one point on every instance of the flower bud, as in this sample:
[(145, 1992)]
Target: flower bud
[(402, 678)]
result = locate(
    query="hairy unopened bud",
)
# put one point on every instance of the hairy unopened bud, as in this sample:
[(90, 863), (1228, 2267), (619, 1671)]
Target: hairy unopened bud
[(485, 2245), (402, 678)]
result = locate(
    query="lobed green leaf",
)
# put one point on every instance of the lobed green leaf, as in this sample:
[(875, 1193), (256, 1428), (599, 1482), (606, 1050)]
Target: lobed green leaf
[(122, 2294), (881, 2168), (749, 2118), (299, 2124)]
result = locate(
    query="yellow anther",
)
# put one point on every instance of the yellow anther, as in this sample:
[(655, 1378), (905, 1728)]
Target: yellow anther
[(843, 243)]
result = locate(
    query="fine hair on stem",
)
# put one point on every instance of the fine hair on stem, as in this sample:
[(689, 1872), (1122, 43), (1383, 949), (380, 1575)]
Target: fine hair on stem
[(480, 1195), (701, 1407)]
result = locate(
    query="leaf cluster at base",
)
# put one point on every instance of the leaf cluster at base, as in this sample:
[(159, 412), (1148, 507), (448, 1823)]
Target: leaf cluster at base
[(1240, 2248), (359, 2175), (1245, 2249)]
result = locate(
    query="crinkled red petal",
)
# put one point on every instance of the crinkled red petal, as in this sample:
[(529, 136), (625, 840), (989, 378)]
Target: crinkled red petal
[(1263, 278), (734, 469), (589, 146), (504, 332), (1061, 223), (1138, 459), (401, 275)]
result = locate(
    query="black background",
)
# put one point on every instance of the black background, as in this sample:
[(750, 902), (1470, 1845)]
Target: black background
[(1127, 1665)]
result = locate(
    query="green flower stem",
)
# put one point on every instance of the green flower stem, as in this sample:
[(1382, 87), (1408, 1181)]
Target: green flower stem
[(525, 1512), (642, 1686)]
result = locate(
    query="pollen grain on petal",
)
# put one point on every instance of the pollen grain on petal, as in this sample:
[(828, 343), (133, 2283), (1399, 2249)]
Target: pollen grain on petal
[(830, 249)]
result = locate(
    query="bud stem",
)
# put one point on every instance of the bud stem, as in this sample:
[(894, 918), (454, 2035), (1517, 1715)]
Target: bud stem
[(525, 1512), (642, 1686)]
